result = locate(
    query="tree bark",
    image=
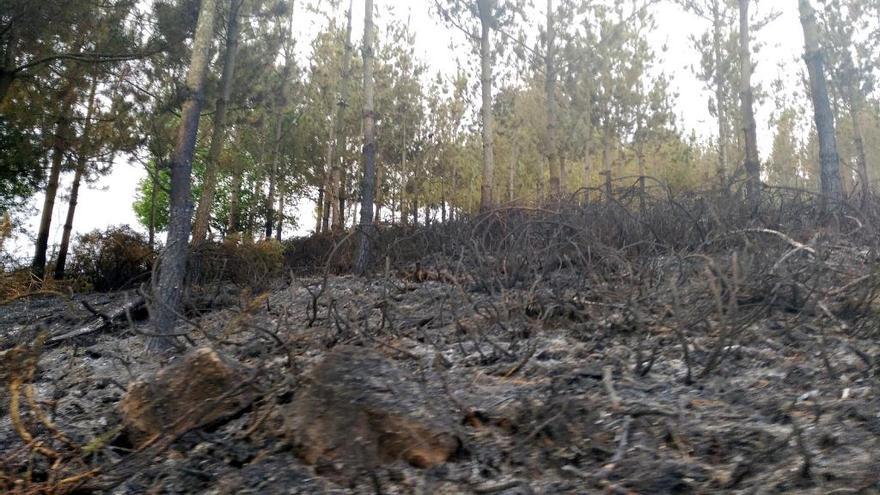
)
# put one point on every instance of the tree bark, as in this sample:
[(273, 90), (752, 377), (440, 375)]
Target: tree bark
[(233, 222), (511, 172), (829, 162), (750, 128), (717, 41), (338, 140), (81, 163), (273, 173), (552, 110), (366, 229), (280, 212), (858, 140), (319, 206), (486, 8), (168, 287), (60, 144), (209, 188), (151, 229)]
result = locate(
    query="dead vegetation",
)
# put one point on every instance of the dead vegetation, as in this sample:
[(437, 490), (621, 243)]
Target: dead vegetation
[(682, 345)]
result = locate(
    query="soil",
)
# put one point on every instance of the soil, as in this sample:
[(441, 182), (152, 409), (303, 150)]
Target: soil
[(595, 398)]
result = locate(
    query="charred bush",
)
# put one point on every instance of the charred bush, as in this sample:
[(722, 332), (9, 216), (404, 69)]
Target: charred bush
[(244, 262), (112, 259)]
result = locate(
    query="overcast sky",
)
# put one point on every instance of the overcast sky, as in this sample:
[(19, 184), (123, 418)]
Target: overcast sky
[(109, 201)]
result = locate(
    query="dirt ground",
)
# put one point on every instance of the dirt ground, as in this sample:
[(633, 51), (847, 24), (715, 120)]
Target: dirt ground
[(594, 397)]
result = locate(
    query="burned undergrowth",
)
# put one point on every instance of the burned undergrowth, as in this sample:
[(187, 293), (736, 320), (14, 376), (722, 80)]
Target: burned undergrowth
[(678, 345)]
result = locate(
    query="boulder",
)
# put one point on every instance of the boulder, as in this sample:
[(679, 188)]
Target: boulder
[(200, 388), (357, 410)]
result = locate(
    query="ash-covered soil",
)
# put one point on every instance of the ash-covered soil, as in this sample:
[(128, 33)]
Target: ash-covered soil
[(551, 391)]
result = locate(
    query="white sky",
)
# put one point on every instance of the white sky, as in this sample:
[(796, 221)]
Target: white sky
[(109, 201)]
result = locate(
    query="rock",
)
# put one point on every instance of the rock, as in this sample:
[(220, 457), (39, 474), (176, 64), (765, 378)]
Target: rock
[(197, 389), (358, 411)]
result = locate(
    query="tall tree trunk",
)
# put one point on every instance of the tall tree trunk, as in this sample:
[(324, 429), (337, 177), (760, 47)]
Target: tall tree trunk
[(151, 229), (486, 8), (829, 162), (511, 172), (366, 229), (319, 207), (606, 161), (550, 97), (329, 184), (720, 80), (750, 128), (218, 136), (588, 162), (168, 288), (342, 195), (859, 142), (60, 143), (337, 205), (273, 178), (280, 213), (81, 163), (379, 198), (233, 222)]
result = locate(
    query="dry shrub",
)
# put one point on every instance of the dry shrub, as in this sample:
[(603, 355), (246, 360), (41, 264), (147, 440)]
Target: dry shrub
[(311, 253), (243, 262), (112, 259)]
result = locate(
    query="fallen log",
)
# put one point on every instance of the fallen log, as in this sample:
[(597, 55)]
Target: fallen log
[(103, 321)]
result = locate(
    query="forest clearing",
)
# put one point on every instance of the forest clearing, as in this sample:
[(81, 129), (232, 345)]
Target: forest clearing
[(526, 265)]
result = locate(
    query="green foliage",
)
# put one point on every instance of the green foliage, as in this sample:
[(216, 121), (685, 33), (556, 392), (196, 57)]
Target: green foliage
[(20, 173)]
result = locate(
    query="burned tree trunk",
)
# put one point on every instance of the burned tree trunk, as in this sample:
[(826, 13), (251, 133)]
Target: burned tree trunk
[(81, 163), (169, 284), (752, 162), (486, 8), (206, 201), (367, 229), (829, 166)]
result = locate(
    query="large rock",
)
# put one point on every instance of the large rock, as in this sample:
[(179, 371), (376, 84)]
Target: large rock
[(200, 388), (357, 410)]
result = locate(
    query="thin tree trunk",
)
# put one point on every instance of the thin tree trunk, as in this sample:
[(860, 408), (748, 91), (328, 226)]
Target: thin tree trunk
[(588, 165), (60, 144), (81, 162), (329, 183), (379, 198), (209, 187), (750, 128), (606, 161), (337, 205), (859, 142), (486, 8), (273, 173), (167, 289), (829, 162), (368, 186), (511, 172), (319, 208), (280, 214), (550, 97), (233, 223), (717, 41), (154, 183)]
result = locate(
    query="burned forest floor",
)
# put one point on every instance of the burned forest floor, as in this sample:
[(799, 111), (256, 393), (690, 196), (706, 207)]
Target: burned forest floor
[(684, 349)]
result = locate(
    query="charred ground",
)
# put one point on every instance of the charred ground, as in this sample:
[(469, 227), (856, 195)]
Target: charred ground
[(687, 345)]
